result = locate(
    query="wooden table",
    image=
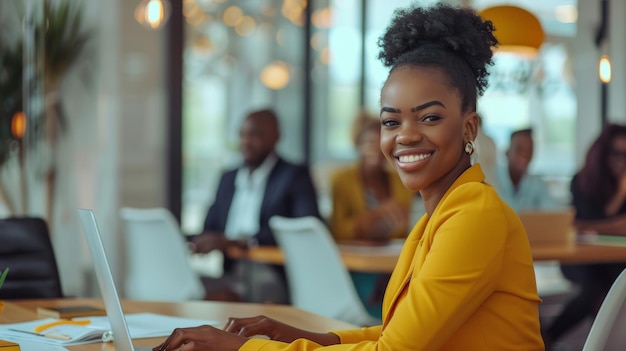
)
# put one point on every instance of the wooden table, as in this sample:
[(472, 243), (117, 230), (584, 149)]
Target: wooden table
[(357, 258), (382, 260), (580, 253), (24, 310)]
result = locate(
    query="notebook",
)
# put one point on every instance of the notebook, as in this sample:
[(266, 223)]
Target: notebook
[(112, 304), (549, 228)]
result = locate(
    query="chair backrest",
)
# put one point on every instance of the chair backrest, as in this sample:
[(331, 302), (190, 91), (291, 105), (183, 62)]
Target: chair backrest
[(157, 257), (26, 248), (607, 331), (318, 280)]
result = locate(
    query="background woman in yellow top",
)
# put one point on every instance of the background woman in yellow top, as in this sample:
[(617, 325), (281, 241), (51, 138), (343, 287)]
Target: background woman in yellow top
[(370, 204), (464, 279), (369, 201)]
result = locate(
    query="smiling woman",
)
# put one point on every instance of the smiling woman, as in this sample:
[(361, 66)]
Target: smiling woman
[(423, 141), (457, 279)]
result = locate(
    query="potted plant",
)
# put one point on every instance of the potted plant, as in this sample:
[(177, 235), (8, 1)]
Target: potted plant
[(63, 35)]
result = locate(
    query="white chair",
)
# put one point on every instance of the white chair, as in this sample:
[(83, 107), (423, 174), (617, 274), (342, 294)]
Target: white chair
[(318, 280), (157, 260), (607, 331), (550, 280)]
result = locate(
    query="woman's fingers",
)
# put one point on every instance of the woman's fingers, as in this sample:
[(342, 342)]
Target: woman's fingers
[(170, 341), (182, 336), (204, 338), (234, 325), (261, 327)]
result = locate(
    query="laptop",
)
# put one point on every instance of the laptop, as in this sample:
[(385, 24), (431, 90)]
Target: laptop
[(108, 290), (549, 228)]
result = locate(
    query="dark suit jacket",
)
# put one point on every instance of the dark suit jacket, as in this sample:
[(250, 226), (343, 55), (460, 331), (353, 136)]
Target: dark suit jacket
[(289, 192)]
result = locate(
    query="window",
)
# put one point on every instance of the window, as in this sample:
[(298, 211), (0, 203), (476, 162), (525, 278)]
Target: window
[(229, 44), (234, 51)]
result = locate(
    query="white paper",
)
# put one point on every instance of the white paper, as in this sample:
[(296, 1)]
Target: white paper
[(140, 325), (36, 346), (150, 325)]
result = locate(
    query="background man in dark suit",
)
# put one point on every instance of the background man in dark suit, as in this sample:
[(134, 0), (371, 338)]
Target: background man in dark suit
[(263, 186)]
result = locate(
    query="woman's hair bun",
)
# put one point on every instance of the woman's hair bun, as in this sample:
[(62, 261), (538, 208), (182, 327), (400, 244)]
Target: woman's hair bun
[(440, 28)]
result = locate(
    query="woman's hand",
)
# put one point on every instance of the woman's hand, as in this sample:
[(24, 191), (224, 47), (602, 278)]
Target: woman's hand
[(621, 184), (615, 225), (262, 325), (381, 222), (394, 215), (617, 201), (202, 338), (275, 330)]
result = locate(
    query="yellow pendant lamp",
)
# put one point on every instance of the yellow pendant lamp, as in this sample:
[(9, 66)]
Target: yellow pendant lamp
[(518, 31)]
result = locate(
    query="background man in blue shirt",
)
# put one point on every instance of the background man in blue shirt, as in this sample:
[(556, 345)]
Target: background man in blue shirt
[(522, 191)]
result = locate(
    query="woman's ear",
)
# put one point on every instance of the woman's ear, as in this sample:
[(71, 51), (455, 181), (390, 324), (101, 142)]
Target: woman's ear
[(470, 127)]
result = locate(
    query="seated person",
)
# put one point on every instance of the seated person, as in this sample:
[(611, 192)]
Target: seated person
[(599, 198), (370, 203), (522, 191), (458, 284), (369, 200), (486, 152), (263, 186)]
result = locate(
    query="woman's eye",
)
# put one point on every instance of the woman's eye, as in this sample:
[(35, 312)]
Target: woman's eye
[(431, 118), (389, 123)]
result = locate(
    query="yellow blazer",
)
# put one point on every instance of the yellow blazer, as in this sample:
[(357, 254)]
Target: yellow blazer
[(349, 203), (464, 281)]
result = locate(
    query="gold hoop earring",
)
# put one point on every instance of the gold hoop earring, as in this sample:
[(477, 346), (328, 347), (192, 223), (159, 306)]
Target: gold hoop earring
[(470, 147)]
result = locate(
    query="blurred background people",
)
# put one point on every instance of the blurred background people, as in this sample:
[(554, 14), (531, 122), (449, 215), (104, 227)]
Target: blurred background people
[(486, 154), (599, 198), (369, 201), (521, 190), (263, 186), (370, 204)]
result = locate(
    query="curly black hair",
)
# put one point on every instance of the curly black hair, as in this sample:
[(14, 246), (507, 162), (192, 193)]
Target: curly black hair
[(453, 38)]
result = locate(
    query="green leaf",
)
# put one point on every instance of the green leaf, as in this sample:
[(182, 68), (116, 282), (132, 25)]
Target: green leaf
[(4, 276)]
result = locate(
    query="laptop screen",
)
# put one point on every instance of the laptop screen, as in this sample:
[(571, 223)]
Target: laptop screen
[(105, 281)]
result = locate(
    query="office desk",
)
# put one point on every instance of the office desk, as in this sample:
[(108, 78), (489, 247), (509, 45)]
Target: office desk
[(24, 310), (373, 259), (580, 253), (382, 260)]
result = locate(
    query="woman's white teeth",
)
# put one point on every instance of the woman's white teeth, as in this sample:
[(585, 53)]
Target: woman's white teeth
[(413, 158)]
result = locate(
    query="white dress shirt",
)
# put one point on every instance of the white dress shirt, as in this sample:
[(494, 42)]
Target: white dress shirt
[(245, 209)]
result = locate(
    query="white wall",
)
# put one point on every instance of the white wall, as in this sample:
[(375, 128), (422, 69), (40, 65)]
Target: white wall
[(586, 71), (617, 52), (131, 116)]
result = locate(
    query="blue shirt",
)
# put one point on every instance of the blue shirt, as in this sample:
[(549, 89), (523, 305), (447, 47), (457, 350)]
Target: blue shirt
[(531, 194)]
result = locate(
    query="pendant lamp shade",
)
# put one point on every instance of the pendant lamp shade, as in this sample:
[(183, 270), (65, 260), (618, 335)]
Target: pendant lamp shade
[(518, 31)]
